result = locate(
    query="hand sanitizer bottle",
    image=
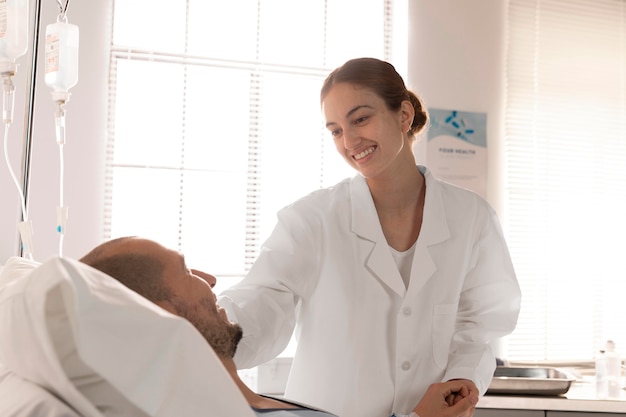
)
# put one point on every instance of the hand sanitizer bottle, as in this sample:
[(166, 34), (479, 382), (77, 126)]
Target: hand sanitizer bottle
[(608, 372), (613, 370)]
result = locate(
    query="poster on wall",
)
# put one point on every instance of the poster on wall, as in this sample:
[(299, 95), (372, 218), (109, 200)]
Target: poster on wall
[(457, 148)]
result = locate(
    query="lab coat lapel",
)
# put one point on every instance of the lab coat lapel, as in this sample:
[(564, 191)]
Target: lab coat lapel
[(374, 253), (434, 231)]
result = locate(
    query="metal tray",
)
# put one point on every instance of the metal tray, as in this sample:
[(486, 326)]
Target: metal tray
[(529, 381)]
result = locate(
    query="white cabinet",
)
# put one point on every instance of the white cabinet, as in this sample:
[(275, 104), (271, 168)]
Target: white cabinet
[(495, 412), (583, 414), (487, 412)]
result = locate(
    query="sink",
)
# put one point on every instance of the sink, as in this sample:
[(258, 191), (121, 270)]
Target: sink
[(529, 381)]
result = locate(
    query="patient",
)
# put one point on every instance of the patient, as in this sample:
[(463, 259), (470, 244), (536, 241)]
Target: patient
[(161, 275)]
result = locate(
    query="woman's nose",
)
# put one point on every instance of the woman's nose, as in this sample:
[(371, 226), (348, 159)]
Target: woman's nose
[(351, 139)]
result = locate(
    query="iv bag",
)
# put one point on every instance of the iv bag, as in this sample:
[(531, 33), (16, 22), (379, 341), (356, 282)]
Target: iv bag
[(13, 31), (61, 56)]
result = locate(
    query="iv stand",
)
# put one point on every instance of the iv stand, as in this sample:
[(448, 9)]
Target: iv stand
[(28, 121)]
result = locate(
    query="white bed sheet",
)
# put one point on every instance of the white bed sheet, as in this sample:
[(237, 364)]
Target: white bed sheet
[(21, 398)]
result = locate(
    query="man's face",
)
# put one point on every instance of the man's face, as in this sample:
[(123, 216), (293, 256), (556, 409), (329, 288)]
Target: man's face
[(194, 300)]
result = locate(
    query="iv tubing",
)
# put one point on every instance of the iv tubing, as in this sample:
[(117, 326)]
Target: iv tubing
[(60, 99), (61, 210), (17, 184), (61, 227), (62, 169), (25, 227)]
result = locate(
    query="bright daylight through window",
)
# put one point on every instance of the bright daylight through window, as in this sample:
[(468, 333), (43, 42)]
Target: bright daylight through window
[(215, 125), (566, 174)]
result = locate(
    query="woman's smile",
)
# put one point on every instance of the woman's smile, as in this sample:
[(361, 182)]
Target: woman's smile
[(363, 154)]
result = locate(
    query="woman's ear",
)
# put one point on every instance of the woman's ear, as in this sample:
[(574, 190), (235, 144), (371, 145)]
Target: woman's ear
[(407, 114)]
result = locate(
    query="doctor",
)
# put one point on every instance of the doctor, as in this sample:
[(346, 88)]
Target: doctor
[(392, 279)]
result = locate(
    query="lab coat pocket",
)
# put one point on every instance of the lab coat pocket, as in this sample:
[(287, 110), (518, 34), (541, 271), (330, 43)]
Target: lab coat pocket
[(443, 329)]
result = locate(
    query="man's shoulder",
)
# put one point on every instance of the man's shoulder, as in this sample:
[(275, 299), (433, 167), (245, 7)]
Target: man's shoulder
[(291, 412), (302, 410)]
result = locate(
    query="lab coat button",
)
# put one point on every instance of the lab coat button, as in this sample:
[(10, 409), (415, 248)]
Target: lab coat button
[(407, 311), (406, 366)]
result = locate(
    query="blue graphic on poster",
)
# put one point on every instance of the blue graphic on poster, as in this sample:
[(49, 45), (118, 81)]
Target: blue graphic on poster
[(457, 148)]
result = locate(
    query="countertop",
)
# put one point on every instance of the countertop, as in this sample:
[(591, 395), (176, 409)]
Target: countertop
[(580, 397)]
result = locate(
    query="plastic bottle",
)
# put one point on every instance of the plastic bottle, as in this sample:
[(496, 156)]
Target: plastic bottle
[(13, 32), (13, 44), (608, 372), (61, 68), (61, 57), (613, 370)]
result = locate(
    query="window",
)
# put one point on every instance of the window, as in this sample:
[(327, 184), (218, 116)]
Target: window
[(565, 161), (215, 121)]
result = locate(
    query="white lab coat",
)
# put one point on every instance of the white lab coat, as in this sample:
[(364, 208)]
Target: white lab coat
[(367, 345)]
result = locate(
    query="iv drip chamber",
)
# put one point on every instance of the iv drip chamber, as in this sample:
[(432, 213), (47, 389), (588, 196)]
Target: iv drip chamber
[(61, 56), (13, 32)]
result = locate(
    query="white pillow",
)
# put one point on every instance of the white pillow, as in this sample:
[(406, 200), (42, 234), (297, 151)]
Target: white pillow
[(104, 349), (21, 398), (16, 267)]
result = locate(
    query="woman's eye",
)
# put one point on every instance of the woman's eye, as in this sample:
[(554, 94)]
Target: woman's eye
[(360, 120), (335, 133)]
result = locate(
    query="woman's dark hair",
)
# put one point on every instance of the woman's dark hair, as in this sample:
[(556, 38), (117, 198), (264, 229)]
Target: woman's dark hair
[(383, 79)]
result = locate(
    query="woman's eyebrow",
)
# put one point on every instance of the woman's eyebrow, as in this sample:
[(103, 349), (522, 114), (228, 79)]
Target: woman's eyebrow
[(352, 111)]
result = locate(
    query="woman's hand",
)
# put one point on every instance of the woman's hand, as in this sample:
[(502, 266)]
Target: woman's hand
[(455, 398)]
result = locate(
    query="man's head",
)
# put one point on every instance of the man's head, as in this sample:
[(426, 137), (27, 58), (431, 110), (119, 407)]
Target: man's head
[(161, 275)]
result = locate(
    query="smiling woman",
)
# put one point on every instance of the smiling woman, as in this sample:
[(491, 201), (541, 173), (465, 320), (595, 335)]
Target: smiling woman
[(410, 276)]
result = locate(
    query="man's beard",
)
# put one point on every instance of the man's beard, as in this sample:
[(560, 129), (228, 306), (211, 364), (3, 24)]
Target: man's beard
[(223, 336)]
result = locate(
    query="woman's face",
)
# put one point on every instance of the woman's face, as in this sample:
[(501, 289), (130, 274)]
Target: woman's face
[(367, 134)]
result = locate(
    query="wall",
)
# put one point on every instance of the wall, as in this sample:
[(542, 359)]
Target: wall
[(456, 61), (84, 148)]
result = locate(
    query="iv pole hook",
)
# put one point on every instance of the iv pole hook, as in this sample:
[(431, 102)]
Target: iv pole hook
[(62, 10)]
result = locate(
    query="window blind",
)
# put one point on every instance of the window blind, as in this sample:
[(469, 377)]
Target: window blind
[(215, 121), (565, 157)]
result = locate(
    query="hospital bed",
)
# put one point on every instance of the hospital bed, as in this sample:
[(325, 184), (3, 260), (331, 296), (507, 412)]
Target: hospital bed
[(74, 342)]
